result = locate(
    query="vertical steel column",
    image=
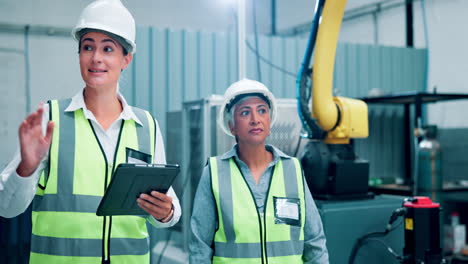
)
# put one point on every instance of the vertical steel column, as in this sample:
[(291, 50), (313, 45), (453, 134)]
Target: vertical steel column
[(273, 17), (241, 37), (409, 23)]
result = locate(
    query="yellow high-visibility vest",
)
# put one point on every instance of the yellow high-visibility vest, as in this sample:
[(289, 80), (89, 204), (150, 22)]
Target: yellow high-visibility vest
[(65, 227), (244, 235)]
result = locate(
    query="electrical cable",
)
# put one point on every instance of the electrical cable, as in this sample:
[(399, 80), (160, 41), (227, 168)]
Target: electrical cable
[(389, 249), (297, 146), (312, 130), (262, 58), (395, 226), (268, 62), (374, 235), (360, 242)]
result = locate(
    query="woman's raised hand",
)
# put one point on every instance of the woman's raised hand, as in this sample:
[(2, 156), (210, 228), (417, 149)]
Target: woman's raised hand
[(33, 144)]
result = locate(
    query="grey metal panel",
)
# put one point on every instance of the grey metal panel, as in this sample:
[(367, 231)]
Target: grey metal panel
[(387, 144), (290, 65), (363, 67), (351, 89), (374, 74), (251, 60), (160, 86), (398, 143), (264, 45), (150, 71), (191, 66), (207, 69), (142, 63), (276, 57), (301, 44), (398, 69), (416, 70), (175, 67), (421, 70), (234, 72), (12, 102), (221, 67), (454, 143), (126, 83), (385, 69)]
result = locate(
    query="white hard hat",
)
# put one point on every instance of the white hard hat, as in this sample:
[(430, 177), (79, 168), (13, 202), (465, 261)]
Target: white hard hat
[(109, 16), (240, 89)]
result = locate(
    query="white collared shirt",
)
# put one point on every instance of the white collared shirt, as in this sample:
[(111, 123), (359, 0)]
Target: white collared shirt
[(16, 192)]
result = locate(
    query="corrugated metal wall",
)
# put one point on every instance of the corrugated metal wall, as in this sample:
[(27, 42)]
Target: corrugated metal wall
[(171, 67), (179, 66)]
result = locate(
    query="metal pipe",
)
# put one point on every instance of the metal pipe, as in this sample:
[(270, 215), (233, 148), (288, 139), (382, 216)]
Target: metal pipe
[(273, 17), (9, 50), (375, 20), (254, 12), (35, 30), (241, 38)]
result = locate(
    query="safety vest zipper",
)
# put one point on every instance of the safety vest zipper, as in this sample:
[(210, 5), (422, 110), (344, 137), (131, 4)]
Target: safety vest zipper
[(107, 224), (262, 227), (264, 213)]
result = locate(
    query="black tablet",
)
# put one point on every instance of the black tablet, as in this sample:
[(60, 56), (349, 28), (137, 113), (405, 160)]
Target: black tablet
[(129, 181)]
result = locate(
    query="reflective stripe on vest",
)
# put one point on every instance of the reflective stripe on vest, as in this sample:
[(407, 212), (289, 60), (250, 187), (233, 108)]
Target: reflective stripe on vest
[(242, 231), (64, 212)]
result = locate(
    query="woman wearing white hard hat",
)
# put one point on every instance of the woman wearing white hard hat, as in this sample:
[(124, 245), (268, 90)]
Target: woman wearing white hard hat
[(252, 204), (69, 149)]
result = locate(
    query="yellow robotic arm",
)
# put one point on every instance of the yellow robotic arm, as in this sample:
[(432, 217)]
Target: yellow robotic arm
[(342, 118), (331, 167)]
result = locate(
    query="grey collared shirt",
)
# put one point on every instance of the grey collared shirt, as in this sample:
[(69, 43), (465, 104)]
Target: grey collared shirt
[(204, 221)]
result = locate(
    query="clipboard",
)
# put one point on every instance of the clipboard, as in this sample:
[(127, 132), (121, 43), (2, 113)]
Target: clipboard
[(129, 181)]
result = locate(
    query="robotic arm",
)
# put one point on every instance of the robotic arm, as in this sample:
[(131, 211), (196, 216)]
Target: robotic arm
[(330, 164), (339, 117)]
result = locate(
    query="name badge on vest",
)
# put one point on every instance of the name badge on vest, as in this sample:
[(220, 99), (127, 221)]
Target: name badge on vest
[(287, 211), (135, 156)]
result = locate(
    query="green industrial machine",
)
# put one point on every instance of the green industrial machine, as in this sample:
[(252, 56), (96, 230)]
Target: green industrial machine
[(345, 222)]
